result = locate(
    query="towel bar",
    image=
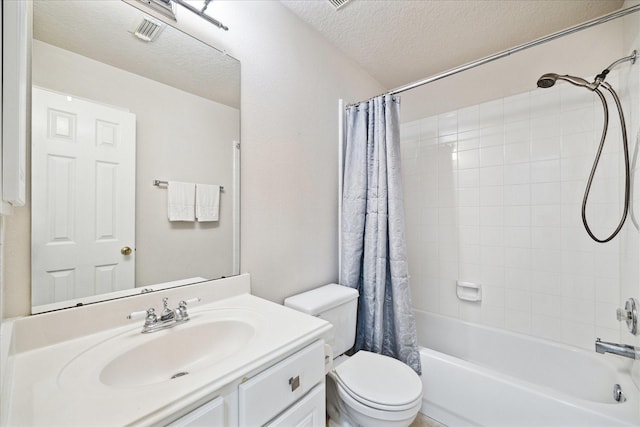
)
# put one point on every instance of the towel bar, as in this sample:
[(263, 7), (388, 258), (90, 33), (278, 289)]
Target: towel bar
[(158, 183)]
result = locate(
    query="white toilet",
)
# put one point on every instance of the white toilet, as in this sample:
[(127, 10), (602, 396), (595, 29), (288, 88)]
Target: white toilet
[(366, 389)]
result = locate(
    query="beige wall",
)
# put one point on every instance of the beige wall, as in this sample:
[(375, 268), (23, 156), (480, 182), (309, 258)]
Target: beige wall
[(291, 82)]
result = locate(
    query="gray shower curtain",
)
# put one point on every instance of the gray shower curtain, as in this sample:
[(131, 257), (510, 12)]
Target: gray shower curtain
[(374, 254)]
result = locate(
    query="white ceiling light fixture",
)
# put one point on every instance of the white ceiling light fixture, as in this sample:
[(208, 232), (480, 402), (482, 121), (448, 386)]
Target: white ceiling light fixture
[(165, 7), (338, 4), (200, 12)]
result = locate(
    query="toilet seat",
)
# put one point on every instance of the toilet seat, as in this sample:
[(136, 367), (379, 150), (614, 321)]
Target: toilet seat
[(384, 415), (378, 382)]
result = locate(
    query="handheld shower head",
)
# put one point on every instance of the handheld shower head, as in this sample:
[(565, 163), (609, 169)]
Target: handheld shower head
[(549, 79)]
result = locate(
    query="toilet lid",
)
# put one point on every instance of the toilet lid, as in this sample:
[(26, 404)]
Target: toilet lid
[(379, 380)]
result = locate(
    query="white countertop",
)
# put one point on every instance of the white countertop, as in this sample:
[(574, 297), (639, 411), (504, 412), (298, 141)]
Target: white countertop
[(39, 395)]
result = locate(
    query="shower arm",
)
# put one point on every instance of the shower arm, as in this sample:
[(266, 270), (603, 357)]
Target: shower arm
[(632, 58), (596, 161)]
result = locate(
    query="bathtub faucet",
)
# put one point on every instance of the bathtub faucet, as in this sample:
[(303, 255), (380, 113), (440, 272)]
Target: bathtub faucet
[(624, 350)]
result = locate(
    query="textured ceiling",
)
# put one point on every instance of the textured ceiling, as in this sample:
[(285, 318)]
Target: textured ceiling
[(101, 30), (400, 41)]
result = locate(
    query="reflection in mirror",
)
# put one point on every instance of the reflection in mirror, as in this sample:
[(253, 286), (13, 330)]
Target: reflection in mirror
[(120, 100)]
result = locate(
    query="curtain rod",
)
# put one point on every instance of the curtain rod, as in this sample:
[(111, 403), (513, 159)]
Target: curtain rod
[(504, 53)]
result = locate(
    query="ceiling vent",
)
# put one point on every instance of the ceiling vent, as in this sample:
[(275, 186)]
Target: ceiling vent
[(338, 4), (147, 29)]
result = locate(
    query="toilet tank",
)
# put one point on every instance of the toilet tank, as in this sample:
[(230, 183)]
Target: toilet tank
[(336, 304)]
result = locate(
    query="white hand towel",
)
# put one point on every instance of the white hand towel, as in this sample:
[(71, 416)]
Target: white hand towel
[(181, 201), (207, 202)]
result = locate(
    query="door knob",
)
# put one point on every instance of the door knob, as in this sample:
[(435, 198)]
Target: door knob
[(126, 250)]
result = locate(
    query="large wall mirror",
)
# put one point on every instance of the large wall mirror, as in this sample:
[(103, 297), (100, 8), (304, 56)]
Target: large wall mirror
[(118, 105)]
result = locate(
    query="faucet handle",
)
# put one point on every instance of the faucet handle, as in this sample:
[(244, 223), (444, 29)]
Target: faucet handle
[(138, 315), (622, 315), (629, 315), (149, 316), (181, 312)]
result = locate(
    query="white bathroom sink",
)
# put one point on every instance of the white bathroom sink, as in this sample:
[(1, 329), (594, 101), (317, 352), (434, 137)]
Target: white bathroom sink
[(102, 375), (176, 353), (134, 359)]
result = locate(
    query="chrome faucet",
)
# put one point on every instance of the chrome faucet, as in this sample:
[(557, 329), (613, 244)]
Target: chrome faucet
[(167, 315), (623, 350), (168, 318)]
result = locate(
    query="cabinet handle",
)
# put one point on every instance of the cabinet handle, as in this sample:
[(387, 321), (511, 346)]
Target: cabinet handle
[(294, 382)]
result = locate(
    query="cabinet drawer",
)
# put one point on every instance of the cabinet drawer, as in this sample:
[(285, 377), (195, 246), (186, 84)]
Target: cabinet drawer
[(307, 412), (270, 392), (209, 414)]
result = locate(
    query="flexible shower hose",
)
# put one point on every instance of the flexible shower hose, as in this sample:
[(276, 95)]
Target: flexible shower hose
[(625, 147)]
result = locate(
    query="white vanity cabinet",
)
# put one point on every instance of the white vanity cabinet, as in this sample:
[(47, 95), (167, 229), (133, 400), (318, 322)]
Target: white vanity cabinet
[(249, 362), (307, 412), (289, 393), (209, 414), (268, 394)]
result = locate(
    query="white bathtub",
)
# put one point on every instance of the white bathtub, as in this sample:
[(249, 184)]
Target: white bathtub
[(480, 376)]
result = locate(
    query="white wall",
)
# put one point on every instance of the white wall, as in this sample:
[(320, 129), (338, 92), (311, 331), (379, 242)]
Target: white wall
[(291, 82), (493, 193), (1, 278)]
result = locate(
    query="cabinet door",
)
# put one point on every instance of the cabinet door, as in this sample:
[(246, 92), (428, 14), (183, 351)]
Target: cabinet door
[(210, 414), (275, 389), (307, 412)]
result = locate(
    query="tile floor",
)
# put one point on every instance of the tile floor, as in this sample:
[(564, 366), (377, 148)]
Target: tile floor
[(424, 421)]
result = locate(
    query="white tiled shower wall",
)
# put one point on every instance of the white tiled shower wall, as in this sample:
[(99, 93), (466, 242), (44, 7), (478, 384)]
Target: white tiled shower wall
[(492, 196), (630, 252)]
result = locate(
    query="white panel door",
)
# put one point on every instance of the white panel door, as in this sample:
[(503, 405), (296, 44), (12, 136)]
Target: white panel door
[(83, 198)]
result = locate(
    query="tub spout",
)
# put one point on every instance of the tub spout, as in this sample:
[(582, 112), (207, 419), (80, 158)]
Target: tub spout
[(624, 350)]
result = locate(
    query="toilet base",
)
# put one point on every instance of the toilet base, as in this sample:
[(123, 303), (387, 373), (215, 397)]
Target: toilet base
[(341, 415)]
